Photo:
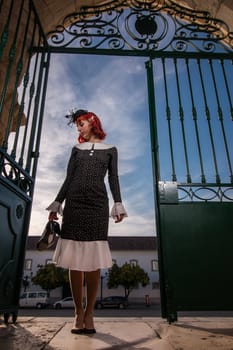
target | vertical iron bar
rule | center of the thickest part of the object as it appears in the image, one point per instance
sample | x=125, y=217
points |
x=181, y=115
x=41, y=114
x=207, y=112
x=153, y=126
x=168, y=115
x=156, y=175
x=220, y=117
x=227, y=88
x=194, y=115
x=31, y=96
x=5, y=32
x=35, y=113
x=17, y=80
x=41, y=40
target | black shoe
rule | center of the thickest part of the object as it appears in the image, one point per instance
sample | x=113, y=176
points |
x=77, y=330
x=89, y=330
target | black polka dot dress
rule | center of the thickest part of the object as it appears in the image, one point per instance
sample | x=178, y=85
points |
x=84, y=231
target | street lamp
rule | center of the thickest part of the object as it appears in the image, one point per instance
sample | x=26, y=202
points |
x=101, y=285
x=25, y=283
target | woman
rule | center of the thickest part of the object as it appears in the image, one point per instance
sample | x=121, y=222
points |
x=83, y=245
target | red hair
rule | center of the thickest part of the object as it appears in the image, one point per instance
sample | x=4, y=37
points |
x=96, y=126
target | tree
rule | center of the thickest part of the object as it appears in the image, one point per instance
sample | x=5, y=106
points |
x=50, y=277
x=129, y=276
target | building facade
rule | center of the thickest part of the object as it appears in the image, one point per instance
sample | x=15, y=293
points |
x=140, y=251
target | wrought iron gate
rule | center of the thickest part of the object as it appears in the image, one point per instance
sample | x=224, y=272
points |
x=190, y=99
x=191, y=131
x=23, y=87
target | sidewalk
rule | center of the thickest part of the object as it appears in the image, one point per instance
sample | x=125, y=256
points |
x=52, y=333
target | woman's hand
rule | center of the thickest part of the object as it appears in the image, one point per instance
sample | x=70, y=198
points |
x=119, y=218
x=53, y=216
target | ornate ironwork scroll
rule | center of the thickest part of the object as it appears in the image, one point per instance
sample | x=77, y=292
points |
x=205, y=193
x=151, y=25
x=12, y=172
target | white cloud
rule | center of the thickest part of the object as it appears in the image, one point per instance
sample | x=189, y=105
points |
x=116, y=91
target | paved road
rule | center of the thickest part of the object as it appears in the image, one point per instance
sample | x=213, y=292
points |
x=134, y=310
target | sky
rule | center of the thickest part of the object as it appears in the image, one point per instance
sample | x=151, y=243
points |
x=114, y=88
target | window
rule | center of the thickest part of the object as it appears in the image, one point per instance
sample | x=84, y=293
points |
x=28, y=264
x=48, y=261
x=154, y=265
x=133, y=262
x=154, y=285
x=32, y=295
x=23, y=296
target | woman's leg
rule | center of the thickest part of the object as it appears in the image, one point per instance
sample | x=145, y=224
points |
x=76, y=284
x=92, y=284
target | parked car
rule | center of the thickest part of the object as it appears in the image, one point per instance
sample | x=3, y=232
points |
x=34, y=299
x=112, y=301
x=67, y=302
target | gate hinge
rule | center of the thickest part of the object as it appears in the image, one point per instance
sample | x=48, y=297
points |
x=168, y=192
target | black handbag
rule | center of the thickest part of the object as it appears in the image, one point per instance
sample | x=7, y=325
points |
x=49, y=235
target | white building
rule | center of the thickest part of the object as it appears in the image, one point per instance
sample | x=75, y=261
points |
x=135, y=250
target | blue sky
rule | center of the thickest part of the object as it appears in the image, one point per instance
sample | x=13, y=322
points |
x=114, y=88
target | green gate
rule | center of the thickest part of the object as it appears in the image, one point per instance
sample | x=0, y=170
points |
x=190, y=99
x=189, y=72
x=191, y=117
x=21, y=114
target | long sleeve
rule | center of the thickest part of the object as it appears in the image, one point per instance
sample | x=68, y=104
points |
x=114, y=184
x=113, y=176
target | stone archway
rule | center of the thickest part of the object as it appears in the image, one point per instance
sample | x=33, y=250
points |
x=52, y=12
x=11, y=56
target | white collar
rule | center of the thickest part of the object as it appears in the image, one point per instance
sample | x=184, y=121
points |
x=97, y=145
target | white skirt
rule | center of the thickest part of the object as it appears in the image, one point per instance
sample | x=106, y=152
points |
x=82, y=255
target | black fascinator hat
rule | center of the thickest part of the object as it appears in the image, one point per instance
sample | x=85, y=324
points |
x=74, y=115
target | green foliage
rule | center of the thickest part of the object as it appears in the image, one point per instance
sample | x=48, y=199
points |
x=129, y=276
x=50, y=277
